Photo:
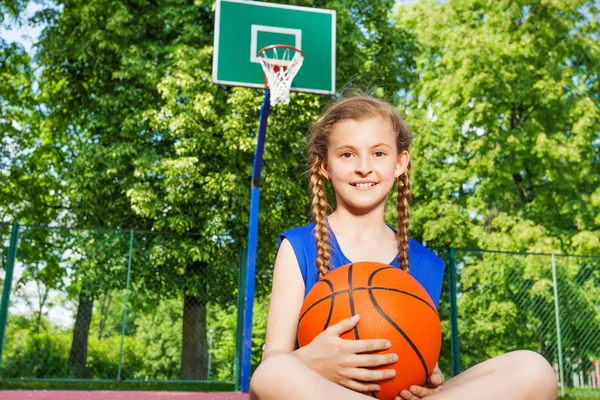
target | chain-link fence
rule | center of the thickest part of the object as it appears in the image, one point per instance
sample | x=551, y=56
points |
x=511, y=301
x=118, y=306
x=141, y=306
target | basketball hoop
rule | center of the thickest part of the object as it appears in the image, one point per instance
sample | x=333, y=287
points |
x=280, y=64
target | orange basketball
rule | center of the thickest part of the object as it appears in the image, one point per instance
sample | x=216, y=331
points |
x=392, y=305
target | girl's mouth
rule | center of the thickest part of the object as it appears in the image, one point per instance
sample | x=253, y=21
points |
x=364, y=185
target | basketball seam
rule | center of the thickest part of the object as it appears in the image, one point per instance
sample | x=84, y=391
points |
x=370, y=281
x=368, y=288
x=402, y=292
x=356, y=337
x=331, y=305
x=410, y=342
x=322, y=299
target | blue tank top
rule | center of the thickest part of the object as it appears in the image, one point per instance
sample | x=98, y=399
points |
x=425, y=267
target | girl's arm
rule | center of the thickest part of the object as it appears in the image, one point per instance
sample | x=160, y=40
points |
x=287, y=297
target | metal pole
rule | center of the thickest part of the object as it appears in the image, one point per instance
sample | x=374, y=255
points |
x=125, y=305
x=8, y=276
x=557, y=316
x=252, y=244
x=453, y=312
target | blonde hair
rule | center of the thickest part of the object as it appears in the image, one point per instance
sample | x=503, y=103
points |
x=355, y=108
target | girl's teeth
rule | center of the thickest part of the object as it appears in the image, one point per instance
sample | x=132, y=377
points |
x=364, y=185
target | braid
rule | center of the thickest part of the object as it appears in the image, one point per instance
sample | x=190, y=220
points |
x=403, y=199
x=319, y=206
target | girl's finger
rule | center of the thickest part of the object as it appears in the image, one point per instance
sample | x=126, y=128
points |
x=419, y=391
x=436, y=379
x=364, y=346
x=343, y=326
x=406, y=395
x=369, y=375
x=371, y=360
x=361, y=386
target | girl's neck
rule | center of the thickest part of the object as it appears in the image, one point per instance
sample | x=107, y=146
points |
x=358, y=227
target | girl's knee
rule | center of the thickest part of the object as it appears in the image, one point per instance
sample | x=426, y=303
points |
x=270, y=374
x=537, y=371
x=259, y=383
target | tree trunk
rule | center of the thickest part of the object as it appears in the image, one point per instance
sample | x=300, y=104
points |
x=105, y=306
x=194, y=353
x=42, y=302
x=78, y=354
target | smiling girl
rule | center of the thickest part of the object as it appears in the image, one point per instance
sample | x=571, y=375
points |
x=360, y=145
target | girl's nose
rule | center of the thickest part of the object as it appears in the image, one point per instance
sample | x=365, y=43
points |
x=363, y=166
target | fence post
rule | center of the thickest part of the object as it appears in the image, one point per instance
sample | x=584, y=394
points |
x=557, y=316
x=10, y=267
x=125, y=305
x=453, y=312
x=237, y=366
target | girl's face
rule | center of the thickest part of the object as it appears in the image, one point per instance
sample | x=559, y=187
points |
x=363, y=162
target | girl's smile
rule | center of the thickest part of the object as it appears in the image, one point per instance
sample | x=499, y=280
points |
x=366, y=185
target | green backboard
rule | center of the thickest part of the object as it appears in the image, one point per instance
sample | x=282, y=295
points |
x=242, y=28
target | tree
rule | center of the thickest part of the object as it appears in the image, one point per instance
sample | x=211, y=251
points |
x=11, y=9
x=506, y=115
x=147, y=141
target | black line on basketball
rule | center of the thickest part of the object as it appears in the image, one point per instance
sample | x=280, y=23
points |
x=351, y=299
x=402, y=292
x=375, y=273
x=330, y=305
x=320, y=301
x=370, y=284
x=378, y=288
x=410, y=342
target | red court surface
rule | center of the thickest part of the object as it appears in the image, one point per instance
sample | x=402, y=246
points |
x=114, y=395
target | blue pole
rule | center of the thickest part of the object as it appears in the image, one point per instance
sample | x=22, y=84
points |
x=252, y=244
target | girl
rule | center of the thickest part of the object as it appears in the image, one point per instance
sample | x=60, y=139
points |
x=360, y=145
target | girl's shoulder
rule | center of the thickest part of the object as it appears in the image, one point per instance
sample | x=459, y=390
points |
x=302, y=240
x=300, y=230
x=302, y=233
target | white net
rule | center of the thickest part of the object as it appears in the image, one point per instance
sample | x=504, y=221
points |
x=280, y=65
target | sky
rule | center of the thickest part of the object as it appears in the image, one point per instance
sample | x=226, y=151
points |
x=26, y=35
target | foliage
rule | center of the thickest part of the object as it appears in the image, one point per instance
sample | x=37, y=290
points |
x=120, y=127
x=506, y=110
x=44, y=354
x=151, y=350
x=160, y=335
x=11, y=9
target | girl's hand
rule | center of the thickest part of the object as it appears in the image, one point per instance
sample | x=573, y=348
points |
x=342, y=362
x=432, y=386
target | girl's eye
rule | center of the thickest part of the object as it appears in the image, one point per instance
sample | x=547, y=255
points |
x=346, y=155
x=379, y=154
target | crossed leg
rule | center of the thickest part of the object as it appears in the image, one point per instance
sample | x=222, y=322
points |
x=518, y=375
